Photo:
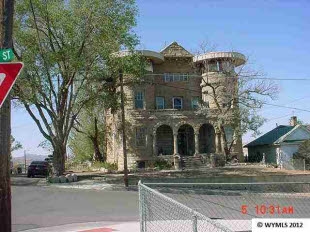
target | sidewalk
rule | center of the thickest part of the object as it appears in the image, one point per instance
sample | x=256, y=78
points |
x=89, y=184
x=93, y=227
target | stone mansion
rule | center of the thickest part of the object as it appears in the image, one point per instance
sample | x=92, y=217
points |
x=162, y=117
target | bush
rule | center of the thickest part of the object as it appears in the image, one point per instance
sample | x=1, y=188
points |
x=162, y=164
x=217, y=160
x=274, y=165
x=106, y=165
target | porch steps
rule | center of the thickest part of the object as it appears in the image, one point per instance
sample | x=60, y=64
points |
x=194, y=163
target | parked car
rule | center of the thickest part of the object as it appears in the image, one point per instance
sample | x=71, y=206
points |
x=41, y=168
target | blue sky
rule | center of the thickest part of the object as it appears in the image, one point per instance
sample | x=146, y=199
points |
x=274, y=34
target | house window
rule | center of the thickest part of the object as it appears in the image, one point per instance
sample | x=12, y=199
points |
x=213, y=66
x=139, y=99
x=177, y=102
x=195, y=102
x=140, y=136
x=175, y=77
x=226, y=66
x=160, y=102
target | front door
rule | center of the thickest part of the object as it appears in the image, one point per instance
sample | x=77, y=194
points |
x=186, y=140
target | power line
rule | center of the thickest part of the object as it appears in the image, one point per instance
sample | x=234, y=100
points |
x=275, y=105
x=276, y=118
x=238, y=76
x=200, y=76
x=281, y=106
x=296, y=100
x=187, y=89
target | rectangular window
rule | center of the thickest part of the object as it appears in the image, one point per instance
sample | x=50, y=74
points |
x=140, y=136
x=195, y=102
x=175, y=77
x=160, y=102
x=139, y=100
x=213, y=66
x=177, y=102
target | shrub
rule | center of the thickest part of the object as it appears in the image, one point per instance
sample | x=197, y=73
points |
x=106, y=165
x=217, y=160
x=162, y=164
x=274, y=165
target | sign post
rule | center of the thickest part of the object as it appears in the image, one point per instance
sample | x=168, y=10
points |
x=6, y=43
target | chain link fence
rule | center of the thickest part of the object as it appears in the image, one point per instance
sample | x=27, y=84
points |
x=219, y=206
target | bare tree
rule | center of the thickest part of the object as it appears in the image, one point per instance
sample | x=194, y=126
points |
x=234, y=94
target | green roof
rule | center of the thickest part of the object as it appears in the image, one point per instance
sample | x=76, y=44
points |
x=270, y=137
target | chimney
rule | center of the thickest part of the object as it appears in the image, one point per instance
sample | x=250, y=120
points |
x=293, y=121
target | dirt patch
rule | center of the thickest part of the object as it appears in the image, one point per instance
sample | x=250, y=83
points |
x=241, y=173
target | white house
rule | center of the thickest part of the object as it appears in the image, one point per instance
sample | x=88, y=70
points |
x=279, y=144
x=288, y=144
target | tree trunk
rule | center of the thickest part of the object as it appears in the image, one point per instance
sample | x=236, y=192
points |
x=98, y=157
x=224, y=142
x=59, y=155
x=97, y=154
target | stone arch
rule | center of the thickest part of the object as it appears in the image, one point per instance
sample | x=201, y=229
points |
x=186, y=143
x=179, y=124
x=164, y=139
x=206, y=138
x=157, y=125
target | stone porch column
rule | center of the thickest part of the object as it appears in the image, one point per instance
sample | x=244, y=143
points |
x=154, y=145
x=218, y=147
x=175, y=144
x=196, y=143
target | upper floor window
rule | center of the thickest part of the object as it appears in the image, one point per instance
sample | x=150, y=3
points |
x=213, y=66
x=139, y=100
x=220, y=66
x=140, y=136
x=195, y=102
x=177, y=102
x=160, y=102
x=175, y=77
x=226, y=66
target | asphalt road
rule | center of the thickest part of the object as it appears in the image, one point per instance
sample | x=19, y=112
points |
x=36, y=207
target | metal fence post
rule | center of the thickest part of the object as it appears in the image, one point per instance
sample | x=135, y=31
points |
x=141, y=203
x=194, y=222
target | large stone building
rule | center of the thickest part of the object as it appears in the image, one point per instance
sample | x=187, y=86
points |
x=162, y=115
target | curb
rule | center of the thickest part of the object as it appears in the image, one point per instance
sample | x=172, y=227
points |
x=104, y=226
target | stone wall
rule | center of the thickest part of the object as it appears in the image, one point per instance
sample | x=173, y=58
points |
x=177, y=60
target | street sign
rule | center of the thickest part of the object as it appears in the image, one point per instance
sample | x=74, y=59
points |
x=6, y=55
x=8, y=74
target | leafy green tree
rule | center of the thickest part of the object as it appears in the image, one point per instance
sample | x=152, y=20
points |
x=88, y=137
x=65, y=45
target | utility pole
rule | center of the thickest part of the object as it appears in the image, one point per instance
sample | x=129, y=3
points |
x=25, y=157
x=6, y=28
x=124, y=130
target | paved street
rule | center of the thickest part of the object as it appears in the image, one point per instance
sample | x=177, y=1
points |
x=37, y=207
